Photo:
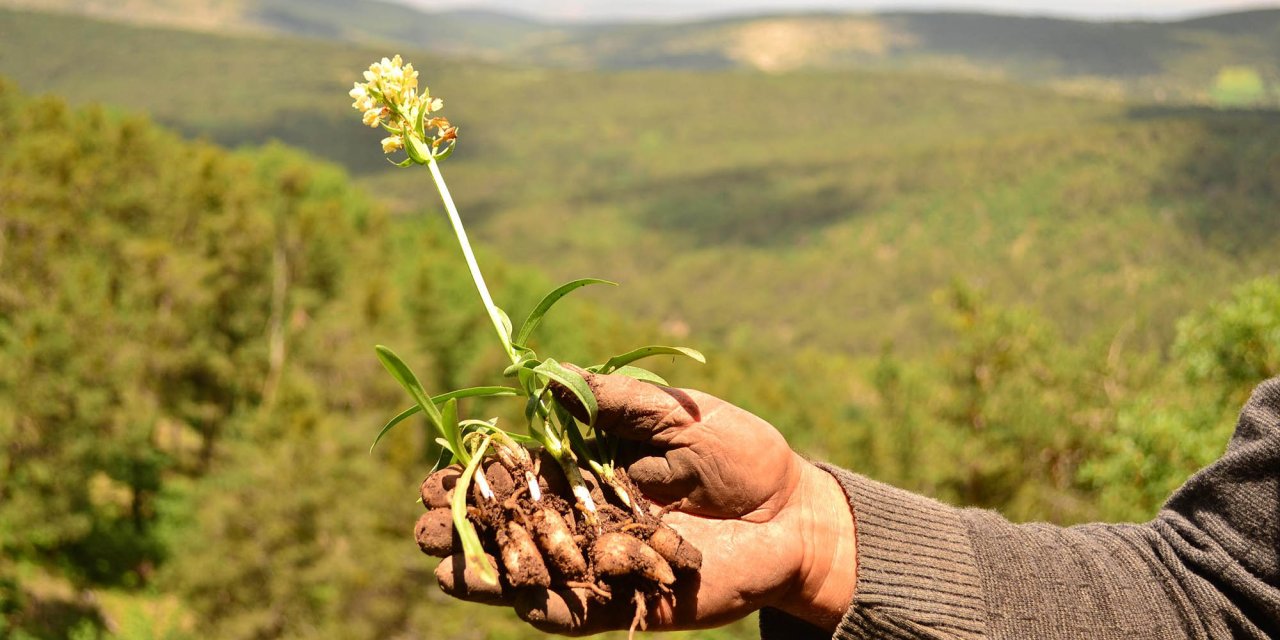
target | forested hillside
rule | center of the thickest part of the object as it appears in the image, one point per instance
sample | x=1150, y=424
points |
x=760, y=195
x=993, y=294
x=1224, y=59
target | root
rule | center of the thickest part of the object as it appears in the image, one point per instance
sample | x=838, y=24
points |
x=637, y=621
x=553, y=538
x=483, y=484
x=674, y=506
x=535, y=491
x=618, y=555
x=601, y=592
x=512, y=503
x=571, y=533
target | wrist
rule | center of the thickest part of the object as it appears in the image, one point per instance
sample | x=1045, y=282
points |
x=826, y=578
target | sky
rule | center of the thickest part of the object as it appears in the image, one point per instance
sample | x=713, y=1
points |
x=683, y=9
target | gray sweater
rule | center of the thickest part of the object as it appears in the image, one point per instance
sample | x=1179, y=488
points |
x=1208, y=566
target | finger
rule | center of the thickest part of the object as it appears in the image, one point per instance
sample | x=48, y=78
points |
x=665, y=478
x=435, y=535
x=437, y=488
x=631, y=408
x=573, y=611
x=471, y=587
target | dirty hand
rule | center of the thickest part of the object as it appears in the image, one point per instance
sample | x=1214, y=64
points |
x=773, y=530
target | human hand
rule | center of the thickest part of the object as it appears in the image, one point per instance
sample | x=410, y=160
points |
x=773, y=530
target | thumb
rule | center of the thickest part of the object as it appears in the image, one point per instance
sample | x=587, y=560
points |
x=630, y=408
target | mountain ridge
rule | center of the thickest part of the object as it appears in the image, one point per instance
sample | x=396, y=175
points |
x=1230, y=58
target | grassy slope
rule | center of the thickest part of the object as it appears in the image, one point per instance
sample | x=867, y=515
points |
x=819, y=209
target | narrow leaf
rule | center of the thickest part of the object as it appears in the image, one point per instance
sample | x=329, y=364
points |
x=515, y=368
x=491, y=422
x=643, y=375
x=522, y=439
x=442, y=461
x=576, y=440
x=404, y=375
x=474, y=392
x=400, y=417
x=471, y=392
x=574, y=382
x=506, y=320
x=535, y=316
x=452, y=432
x=471, y=547
x=646, y=352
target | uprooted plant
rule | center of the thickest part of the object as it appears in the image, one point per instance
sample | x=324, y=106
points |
x=584, y=518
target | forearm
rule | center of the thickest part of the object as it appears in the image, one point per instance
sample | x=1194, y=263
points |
x=1207, y=567
x=927, y=570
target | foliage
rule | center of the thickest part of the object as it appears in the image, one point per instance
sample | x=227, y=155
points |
x=186, y=387
x=1088, y=213
x=143, y=445
x=1183, y=420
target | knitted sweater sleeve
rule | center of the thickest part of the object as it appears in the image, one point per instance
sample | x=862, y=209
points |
x=1208, y=566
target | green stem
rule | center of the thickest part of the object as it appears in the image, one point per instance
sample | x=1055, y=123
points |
x=461, y=233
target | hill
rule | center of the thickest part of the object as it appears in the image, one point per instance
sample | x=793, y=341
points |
x=185, y=375
x=815, y=208
x=1178, y=62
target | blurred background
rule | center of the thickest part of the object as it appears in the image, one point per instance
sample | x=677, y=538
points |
x=1023, y=261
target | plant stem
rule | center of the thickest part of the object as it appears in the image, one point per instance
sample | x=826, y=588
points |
x=557, y=449
x=454, y=219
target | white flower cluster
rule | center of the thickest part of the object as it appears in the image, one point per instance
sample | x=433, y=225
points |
x=389, y=98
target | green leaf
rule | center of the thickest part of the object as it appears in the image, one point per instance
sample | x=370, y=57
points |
x=576, y=441
x=418, y=150
x=573, y=381
x=442, y=461
x=404, y=375
x=643, y=375
x=491, y=422
x=475, y=392
x=471, y=547
x=400, y=417
x=526, y=377
x=471, y=392
x=448, y=151
x=646, y=352
x=452, y=431
x=535, y=316
x=506, y=320
x=514, y=369
x=522, y=439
